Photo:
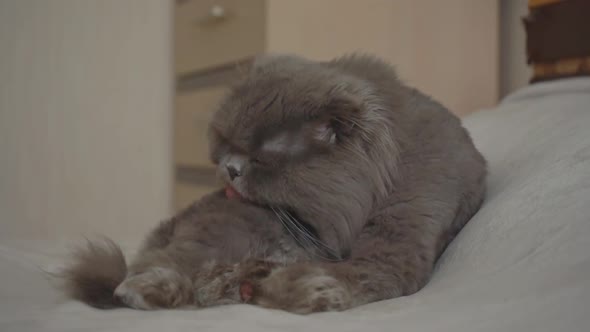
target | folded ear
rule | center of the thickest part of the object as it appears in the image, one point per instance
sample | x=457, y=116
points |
x=323, y=132
x=345, y=116
x=350, y=108
x=339, y=122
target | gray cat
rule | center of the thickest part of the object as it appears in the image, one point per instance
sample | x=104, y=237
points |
x=344, y=186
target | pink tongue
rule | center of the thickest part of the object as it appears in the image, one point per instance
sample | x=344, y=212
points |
x=231, y=193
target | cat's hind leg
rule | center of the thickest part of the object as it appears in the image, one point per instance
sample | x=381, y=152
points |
x=194, y=268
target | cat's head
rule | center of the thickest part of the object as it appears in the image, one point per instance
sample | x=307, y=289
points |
x=308, y=138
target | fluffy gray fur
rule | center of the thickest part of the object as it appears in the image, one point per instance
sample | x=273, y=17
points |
x=350, y=187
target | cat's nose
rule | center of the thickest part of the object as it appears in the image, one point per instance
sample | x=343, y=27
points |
x=233, y=172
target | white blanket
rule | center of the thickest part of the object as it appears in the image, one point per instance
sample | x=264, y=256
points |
x=521, y=264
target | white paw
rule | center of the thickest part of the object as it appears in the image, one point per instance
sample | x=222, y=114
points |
x=155, y=288
x=131, y=295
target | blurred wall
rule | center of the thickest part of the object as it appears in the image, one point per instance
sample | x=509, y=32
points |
x=448, y=49
x=85, y=117
x=514, y=72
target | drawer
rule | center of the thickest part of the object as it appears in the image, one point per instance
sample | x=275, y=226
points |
x=186, y=193
x=192, y=115
x=203, y=40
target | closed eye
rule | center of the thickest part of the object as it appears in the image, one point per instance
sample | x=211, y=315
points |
x=265, y=160
x=257, y=162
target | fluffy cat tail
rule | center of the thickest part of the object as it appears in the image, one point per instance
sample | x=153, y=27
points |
x=94, y=273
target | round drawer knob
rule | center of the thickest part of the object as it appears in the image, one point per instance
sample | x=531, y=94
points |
x=217, y=12
x=214, y=15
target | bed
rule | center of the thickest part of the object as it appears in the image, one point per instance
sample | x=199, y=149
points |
x=521, y=264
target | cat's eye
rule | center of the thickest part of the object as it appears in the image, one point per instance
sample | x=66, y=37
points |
x=256, y=161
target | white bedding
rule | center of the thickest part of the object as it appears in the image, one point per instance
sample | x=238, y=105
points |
x=521, y=264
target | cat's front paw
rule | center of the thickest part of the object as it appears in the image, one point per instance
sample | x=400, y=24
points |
x=154, y=289
x=300, y=289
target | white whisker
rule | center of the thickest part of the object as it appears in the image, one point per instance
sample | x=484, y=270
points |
x=306, y=240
